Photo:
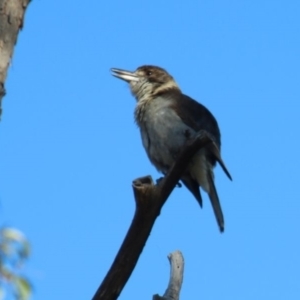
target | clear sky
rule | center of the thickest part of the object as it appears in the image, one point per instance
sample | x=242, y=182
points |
x=69, y=147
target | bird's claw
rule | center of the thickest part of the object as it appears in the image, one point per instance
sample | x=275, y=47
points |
x=159, y=180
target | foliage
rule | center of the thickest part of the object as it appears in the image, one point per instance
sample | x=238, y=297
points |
x=14, y=251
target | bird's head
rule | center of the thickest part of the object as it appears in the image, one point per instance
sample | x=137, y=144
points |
x=146, y=82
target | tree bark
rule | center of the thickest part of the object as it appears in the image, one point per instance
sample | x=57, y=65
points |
x=149, y=199
x=11, y=22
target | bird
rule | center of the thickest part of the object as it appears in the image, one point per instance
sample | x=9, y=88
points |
x=167, y=118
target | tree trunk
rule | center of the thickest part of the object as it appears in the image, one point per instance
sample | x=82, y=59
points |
x=11, y=21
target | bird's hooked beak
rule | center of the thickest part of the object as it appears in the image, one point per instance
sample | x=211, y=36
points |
x=124, y=75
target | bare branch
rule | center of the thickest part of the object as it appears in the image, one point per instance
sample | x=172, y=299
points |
x=11, y=21
x=176, y=277
x=149, y=200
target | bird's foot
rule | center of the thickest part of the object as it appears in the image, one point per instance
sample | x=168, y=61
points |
x=159, y=180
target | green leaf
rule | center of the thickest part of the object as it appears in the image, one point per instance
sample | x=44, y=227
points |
x=23, y=288
x=14, y=235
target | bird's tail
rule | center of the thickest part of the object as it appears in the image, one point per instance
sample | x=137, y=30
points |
x=201, y=171
x=215, y=202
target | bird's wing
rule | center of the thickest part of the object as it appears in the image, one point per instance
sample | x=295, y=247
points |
x=214, y=151
x=198, y=117
x=193, y=187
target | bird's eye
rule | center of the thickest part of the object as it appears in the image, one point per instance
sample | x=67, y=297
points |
x=149, y=73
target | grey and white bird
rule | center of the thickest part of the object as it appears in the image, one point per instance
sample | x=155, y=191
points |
x=167, y=119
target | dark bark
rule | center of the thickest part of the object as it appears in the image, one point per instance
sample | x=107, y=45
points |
x=149, y=199
x=11, y=21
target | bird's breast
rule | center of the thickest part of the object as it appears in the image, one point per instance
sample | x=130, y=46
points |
x=163, y=134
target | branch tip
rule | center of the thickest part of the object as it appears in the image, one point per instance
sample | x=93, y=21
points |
x=146, y=180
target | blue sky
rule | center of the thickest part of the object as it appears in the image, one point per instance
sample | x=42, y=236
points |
x=70, y=148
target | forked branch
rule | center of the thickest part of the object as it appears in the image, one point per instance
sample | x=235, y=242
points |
x=149, y=199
